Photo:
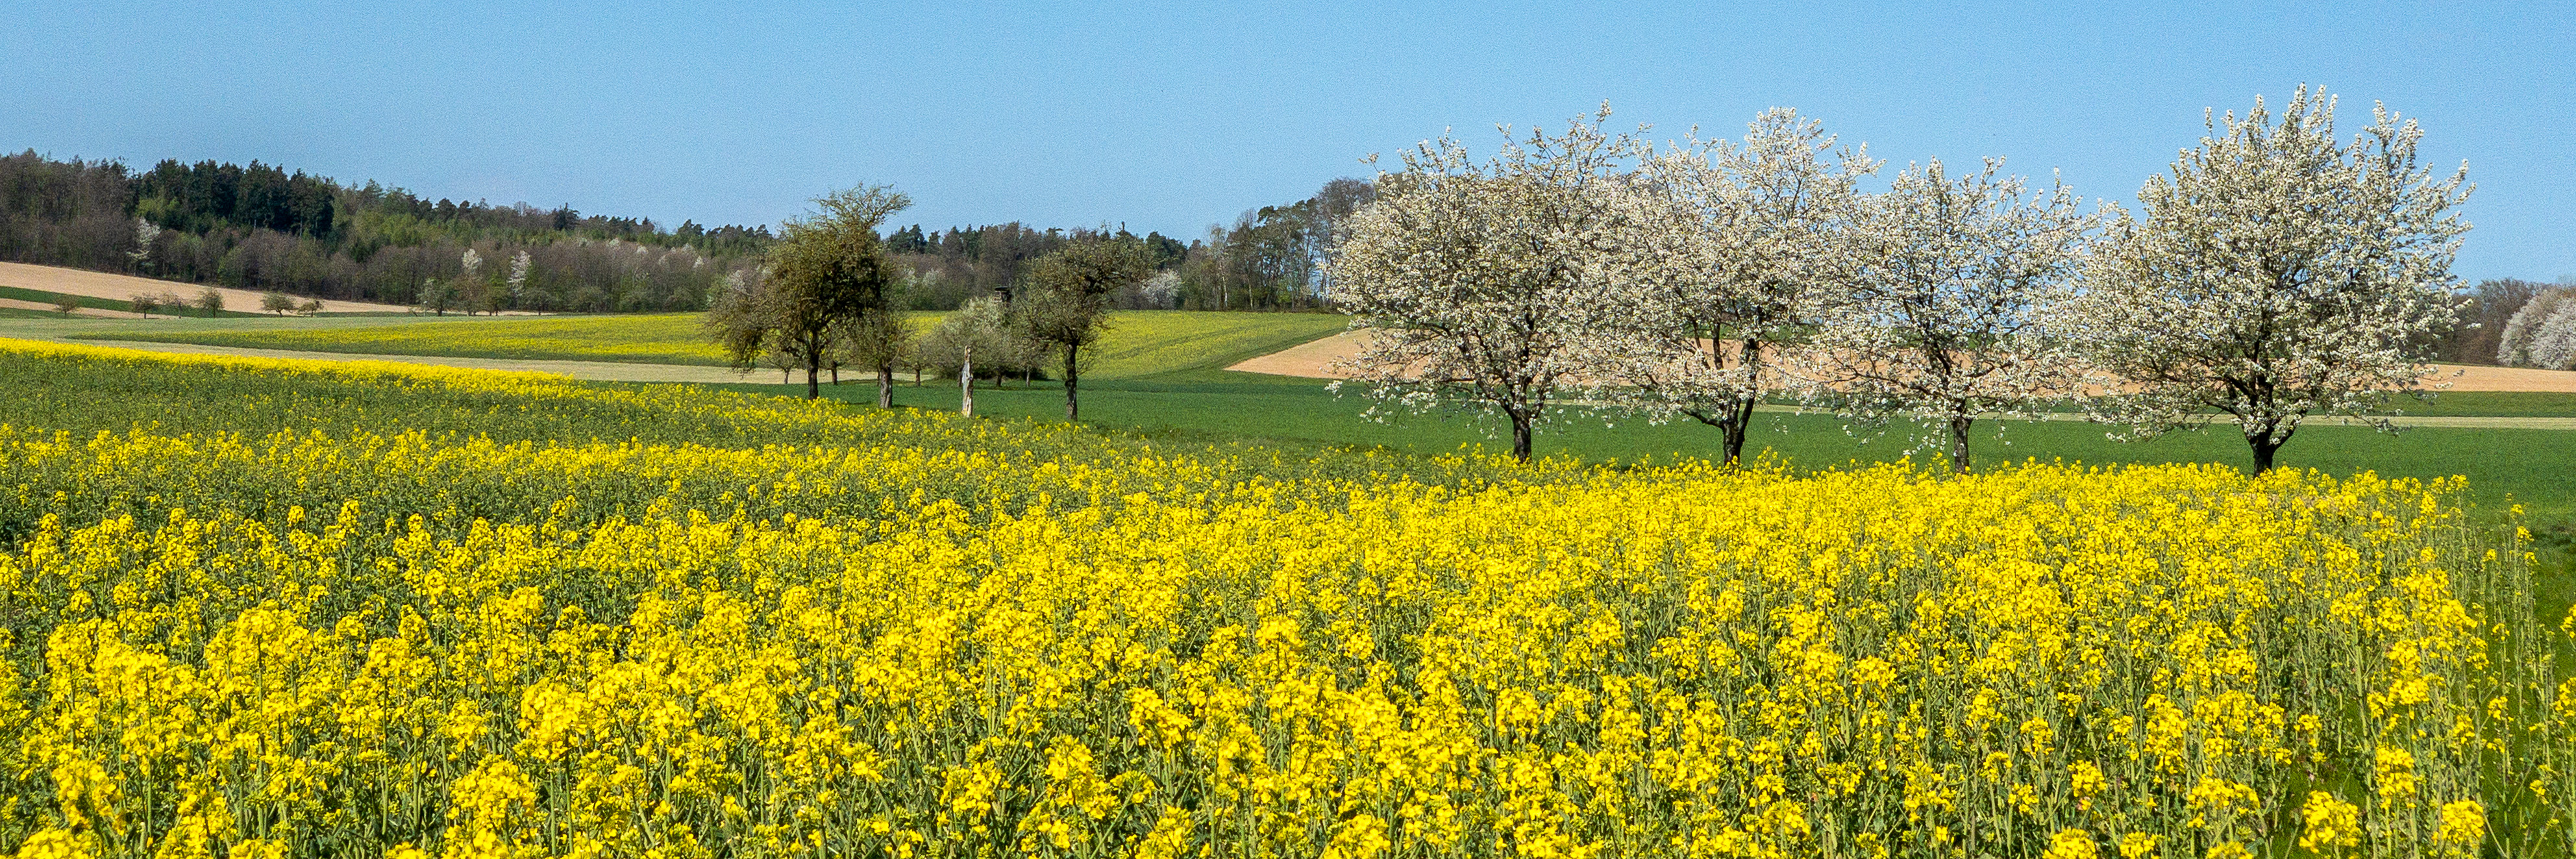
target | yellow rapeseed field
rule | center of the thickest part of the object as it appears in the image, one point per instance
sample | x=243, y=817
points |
x=871, y=634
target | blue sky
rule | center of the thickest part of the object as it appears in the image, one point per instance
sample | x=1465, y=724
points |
x=1171, y=117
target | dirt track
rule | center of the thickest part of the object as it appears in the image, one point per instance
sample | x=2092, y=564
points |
x=1313, y=360
x=94, y=284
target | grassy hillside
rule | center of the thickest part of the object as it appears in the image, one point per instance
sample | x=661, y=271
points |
x=1140, y=343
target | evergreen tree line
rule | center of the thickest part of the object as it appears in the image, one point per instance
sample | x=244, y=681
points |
x=261, y=227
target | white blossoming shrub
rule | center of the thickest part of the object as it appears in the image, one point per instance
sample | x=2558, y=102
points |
x=2542, y=334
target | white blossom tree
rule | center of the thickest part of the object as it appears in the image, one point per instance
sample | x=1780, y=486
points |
x=1755, y=230
x=1944, y=313
x=978, y=326
x=1487, y=284
x=518, y=280
x=2277, y=274
x=2542, y=333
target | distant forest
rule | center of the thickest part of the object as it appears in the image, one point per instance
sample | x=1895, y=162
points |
x=261, y=227
x=1270, y=258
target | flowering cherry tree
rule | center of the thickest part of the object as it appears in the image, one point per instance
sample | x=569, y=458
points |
x=1755, y=231
x=1487, y=285
x=1942, y=318
x=2276, y=274
x=2541, y=334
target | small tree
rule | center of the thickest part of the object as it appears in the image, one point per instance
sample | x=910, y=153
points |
x=1942, y=319
x=978, y=328
x=66, y=305
x=309, y=306
x=2277, y=274
x=1488, y=285
x=211, y=301
x=877, y=340
x=1064, y=305
x=146, y=234
x=436, y=297
x=144, y=302
x=827, y=270
x=1758, y=230
x=276, y=302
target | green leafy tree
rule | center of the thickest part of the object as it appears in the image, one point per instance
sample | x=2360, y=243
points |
x=210, y=301
x=1064, y=305
x=828, y=271
x=877, y=340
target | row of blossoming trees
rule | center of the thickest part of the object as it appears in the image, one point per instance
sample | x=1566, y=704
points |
x=2278, y=273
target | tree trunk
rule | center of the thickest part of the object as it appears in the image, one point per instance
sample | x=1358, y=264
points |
x=885, y=387
x=2266, y=441
x=1520, y=437
x=1739, y=419
x=1959, y=442
x=1072, y=376
x=813, y=380
x=966, y=385
x=2264, y=447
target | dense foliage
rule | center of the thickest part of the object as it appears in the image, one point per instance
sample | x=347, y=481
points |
x=260, y=227
x=376, y=610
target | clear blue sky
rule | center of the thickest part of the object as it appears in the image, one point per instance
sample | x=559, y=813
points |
x=1172, y=117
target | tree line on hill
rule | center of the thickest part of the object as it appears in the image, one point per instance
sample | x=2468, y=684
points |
x=1270, y=258
x=263, y=227
x=260, y=227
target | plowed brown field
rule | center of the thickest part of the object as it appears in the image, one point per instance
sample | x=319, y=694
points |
x=1314, y=360
x=99, y=284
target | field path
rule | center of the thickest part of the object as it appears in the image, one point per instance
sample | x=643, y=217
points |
x=99, y=284
x=1314, y=360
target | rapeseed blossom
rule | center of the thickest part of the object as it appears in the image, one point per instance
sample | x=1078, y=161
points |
x=914, y=642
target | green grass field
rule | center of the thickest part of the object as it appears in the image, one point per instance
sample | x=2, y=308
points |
x=1142, y=343
x=2536, y=468
x=24, y=294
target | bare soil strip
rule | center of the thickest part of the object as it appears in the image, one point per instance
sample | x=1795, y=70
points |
x=1309, y=360
x=97, y=284
x=1314, y=360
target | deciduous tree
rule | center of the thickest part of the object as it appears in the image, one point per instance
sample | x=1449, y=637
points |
x=1064, y=305
x=1756, y=230
x=1943, y=316
x=2542, y=333
x=2278, y=273
x=827, y=270
x=978, y=328
x=1488, y=285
